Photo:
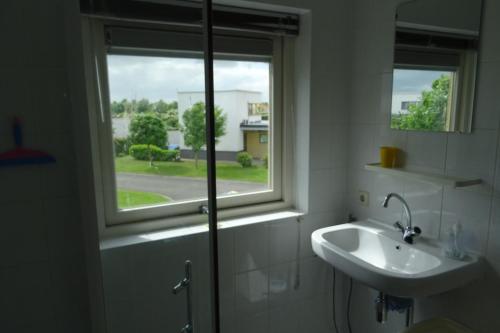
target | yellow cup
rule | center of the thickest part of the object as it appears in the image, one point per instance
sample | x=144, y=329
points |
x=389, y=157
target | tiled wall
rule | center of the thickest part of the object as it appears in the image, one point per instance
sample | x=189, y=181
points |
x=42, y=272
x=270, y=282
x=434, y=208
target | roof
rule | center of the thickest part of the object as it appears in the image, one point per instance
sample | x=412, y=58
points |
x=254, y=126
x=219, y=91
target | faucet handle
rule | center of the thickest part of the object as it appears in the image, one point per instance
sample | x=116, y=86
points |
x=417, y=231
x=399, y=226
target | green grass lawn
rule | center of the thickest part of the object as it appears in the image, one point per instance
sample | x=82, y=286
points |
x=186, y=168
x=130, y=199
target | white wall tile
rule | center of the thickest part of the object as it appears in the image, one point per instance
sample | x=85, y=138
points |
x=252, y=290
x=321, y=192
x=26, y=296
x=69, y=291
x=426, y=150
x=383, y=185
x=487, y=110
x=425, y=201
x=63, y=228
x=490, y=46
x=493, y=251
x=252, y=323
x=472, y=155
x=284, y=319
x=226, y=265
x=283, y=241
x=251, y=244
x=281, y=284
x=361, y=146
x=472, y=211
x=24, y=234
x=311, y=280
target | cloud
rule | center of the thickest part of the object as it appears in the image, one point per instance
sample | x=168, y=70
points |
x=411, y=82
x=154, y=78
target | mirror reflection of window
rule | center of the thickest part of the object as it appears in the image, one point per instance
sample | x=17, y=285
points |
x=435, y=65
x=423, y=99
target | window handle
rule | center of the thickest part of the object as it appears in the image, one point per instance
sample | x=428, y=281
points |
x=203, y=209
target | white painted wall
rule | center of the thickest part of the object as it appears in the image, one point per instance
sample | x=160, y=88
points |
x=234, y=104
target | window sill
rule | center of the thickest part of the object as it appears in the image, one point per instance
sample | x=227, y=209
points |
x=138, y=238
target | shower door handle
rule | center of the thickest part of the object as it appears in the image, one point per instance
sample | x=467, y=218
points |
x=185, y=283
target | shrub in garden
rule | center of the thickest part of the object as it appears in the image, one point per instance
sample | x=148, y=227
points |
x=142, y=153
x=244, y=159
x=121, y=146
x=266, y=161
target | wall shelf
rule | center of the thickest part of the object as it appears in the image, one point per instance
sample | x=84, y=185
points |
x=423, y=176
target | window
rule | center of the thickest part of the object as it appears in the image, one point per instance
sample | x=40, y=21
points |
x=263, y=138
x=423, y=99
x=406, y=104
x=152, y=124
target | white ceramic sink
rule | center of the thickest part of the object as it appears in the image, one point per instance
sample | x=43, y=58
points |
x=373, y=253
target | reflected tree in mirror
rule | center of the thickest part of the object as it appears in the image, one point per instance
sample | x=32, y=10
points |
x=430, y=112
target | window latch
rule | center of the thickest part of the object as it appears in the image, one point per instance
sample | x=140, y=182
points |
x=203, y=209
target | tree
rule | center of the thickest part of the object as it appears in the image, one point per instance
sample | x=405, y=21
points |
x=194, y=129
x=148, y=129
x=143, y=106
x=117, y=108
x=168, y=112
x=430, y=113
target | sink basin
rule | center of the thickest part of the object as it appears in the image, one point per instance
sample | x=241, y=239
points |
x=373, y=253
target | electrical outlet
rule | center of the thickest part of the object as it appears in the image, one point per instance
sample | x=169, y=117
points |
x=364, y=198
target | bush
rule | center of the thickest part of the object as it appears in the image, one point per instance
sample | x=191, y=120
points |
x=266, y=161
x=121, y=146
x=141, y=152
x=244, y=159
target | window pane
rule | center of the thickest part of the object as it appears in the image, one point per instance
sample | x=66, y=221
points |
x=158, y=119
x=242, y=91
x=150, y=167
x=422, y=99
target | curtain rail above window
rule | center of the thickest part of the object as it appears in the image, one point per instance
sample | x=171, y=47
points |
x=189, y=13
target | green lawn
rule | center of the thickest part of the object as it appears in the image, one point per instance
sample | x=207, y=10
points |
x=186, y=168
x=130, y=199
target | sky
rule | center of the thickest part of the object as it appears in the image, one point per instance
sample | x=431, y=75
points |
x=155, y=78
x=410, y=82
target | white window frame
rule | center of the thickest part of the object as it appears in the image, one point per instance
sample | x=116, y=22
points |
x=174, y=214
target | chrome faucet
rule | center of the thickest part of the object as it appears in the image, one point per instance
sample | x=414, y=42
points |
x=409, y=232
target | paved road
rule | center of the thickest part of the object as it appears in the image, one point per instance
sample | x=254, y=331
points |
x=182, y=188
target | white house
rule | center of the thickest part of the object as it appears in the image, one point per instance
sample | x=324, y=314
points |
x=237, y=105
x=401, y=102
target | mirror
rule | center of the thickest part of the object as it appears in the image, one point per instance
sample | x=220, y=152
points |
x=435, y=65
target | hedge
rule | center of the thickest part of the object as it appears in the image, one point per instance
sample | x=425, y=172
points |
x=141, y=152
